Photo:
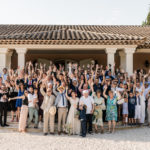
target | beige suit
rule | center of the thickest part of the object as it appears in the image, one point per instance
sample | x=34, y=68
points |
x=49, y=119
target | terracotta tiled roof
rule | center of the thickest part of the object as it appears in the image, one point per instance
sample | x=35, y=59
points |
x=75, y=34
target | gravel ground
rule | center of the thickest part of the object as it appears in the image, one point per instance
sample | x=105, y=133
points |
x=129, y=139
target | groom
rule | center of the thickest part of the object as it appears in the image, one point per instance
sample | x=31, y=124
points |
x=61, y=103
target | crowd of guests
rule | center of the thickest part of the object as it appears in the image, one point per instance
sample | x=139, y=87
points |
x=79, y=99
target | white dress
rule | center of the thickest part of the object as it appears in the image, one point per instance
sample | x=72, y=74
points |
x=142, y=108
x=72, y=121
x=138, y=108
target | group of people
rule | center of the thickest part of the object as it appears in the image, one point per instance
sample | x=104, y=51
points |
x=79, y=99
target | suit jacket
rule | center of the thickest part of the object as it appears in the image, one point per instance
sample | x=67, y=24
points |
x=48, y=101
x=58, y=97
x=82, y=114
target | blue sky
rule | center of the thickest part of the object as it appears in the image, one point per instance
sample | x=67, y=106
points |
x=102, y=12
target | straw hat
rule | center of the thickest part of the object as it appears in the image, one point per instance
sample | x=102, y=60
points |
x=60, y=88
x=52, y=110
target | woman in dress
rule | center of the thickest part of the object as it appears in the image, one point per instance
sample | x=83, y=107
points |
x=20, y=89
x=40, y=98
x=125, y=110
x=24, y=111
x=142, y=97
x=12, y=93
x=73, y=122
x=111, y=111
x=98, y=110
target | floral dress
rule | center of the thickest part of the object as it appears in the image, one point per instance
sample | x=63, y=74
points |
x=111, y=111
x=98, y=113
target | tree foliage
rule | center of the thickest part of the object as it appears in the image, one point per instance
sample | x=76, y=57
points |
x=147, y=21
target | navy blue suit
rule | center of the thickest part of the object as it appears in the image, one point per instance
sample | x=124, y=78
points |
x=82, y=118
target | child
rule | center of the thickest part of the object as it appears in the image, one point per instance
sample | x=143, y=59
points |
x=125, y=109
x=82, y=118
x=36, y=99
x=137, y=116
x=131, y=107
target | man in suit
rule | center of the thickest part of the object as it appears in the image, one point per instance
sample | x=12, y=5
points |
x=61, y=103
x=82, y=116
x=48, y=102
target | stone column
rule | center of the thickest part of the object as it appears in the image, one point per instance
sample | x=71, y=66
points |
x=8, y=62
x=3, y=58
x=122, y=60
x=110, y=57
x=129, y=60
x=21, y=56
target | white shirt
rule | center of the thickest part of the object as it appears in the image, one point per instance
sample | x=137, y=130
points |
x=89, y=101
x=31, y=98
x=60, y=103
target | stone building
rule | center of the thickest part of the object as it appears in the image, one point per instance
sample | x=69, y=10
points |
x=127, y=46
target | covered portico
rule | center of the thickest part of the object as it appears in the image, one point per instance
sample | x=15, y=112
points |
x=125, y=53
x=78, y=42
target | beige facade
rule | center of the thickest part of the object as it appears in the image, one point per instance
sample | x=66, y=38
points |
x=81, y=56
x=128, y=47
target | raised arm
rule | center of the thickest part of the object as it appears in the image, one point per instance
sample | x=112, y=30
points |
x=81, y=86
x=42, y=90
x=134, y=89
x=67, y=94
x=103, y=72
x=55, y=87
x=145, y=76
x=104, y=93
x=85, y=76
x=96, y=70
x=18, y=97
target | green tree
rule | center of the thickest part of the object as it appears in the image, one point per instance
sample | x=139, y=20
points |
x=147, y=21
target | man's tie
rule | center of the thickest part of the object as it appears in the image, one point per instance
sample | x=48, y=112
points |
x=63, y=99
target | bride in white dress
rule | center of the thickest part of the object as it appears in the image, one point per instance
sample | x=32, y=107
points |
x=73, y=122
x=142, y=106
